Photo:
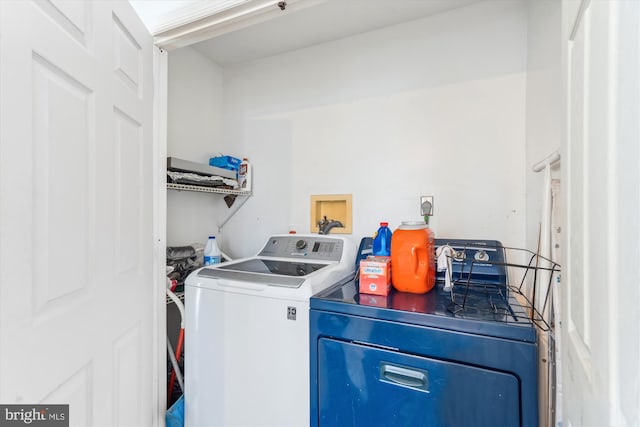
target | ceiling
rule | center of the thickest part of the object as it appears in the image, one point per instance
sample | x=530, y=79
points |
x=303, y=23
x=155, y=12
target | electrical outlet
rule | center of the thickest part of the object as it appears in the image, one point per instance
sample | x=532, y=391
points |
x=426, y=205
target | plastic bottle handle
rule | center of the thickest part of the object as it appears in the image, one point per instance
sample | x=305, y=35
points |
x=418, y=267
x=422, y=266
x=414, y=260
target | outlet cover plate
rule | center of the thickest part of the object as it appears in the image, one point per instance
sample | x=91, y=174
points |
x=426, y=205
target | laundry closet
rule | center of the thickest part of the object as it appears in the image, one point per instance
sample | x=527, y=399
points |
x=456, y=104
x=383, y=101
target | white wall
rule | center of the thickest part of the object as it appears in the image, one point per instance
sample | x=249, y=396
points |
x=431, y=107
x=193, y=133
x=545, y=108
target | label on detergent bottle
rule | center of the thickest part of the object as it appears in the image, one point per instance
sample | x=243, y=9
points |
x=210, y=260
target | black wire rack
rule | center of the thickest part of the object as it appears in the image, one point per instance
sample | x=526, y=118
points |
x=510, y=295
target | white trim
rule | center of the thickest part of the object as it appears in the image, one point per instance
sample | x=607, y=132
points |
x=210, y=21
x=160, y=67
x=583, y=6
x=547, y=161
x=614, y=101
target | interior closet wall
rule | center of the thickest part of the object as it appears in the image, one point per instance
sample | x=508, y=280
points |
x=195, y=86
x=435, y=106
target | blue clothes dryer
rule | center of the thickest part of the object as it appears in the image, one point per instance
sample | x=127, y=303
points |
x=461, y=358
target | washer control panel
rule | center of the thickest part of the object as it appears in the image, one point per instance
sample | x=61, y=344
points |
x=296, y=246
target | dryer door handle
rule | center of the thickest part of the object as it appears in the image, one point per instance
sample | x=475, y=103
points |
x=405, y=376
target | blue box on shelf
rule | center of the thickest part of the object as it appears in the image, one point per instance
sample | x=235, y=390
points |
x=225, y=162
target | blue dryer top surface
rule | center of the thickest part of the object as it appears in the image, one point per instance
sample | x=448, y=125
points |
x=433, y=309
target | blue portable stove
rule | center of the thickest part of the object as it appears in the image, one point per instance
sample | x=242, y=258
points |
x=462, y=358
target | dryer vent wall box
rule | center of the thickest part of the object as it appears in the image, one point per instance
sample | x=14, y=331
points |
x=331, y=207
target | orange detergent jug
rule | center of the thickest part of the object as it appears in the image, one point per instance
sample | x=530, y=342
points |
x=413, y=263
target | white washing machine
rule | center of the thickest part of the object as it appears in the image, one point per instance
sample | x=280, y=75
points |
x=247, y=331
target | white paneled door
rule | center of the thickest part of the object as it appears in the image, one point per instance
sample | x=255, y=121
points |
x=601, y=361
x=76, y=220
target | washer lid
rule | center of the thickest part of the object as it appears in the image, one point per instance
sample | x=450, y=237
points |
x=268, y=266
x=264, y=271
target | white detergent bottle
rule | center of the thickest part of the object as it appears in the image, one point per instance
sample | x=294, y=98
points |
x=212, y=254
x=244, y=175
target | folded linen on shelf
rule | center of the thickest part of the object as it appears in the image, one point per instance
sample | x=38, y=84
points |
x=203, y=180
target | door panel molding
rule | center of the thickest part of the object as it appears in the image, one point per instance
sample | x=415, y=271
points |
x=74, y=329
x=603, y=179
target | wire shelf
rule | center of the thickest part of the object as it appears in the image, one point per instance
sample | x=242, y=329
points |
x=523, y=294
x=203, y=189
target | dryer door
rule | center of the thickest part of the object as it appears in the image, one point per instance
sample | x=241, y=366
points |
x=363, y=386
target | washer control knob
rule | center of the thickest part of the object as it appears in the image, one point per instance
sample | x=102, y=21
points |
x=301, y=244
